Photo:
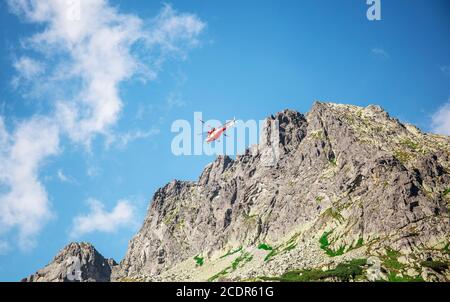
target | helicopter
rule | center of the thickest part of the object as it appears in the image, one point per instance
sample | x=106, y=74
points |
x=216, y=132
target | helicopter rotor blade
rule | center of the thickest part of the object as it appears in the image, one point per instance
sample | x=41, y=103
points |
x=203, y=122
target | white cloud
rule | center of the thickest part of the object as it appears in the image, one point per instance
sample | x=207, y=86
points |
x=24, y=203
x=380, y=53
x=143, y=110
x=65, y=178
x=174, y=100
x=83, y=59
x=93, y=171
x=100, y=220
x=27, y=69
x=445, y=69
x=440, y=121
x=121, y=140
x=98, y=52
x=4, y=135
x=61, y=176
x=170, y=29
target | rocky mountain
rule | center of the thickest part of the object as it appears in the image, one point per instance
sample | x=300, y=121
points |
x=77, y=262
x=341, y=193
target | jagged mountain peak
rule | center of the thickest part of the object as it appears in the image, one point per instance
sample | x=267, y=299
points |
x=341, y=182
x=76, y=262
x=75, y=249
x=285, y=129
x=320, y=172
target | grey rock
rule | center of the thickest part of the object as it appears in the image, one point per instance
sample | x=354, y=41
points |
x=77, y=262
x=364, y=180
x=346, y=169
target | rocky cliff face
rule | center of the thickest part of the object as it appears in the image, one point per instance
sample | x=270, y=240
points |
x=343, y=192
x=77, y=262
x=338, y=183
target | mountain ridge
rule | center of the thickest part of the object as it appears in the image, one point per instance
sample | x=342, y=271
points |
x=78, y=261
x=319, y=191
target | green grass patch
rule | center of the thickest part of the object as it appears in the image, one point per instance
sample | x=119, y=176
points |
x=347, y=271
x=218, y=275
x=199, y=260
x=410, y=144
x=282, y=248
x=402, y=156
x=358, y=244
x=244, y=258
x=446, y=248
x=343, y=272
x=324, y=245
x=446, y=192
x=333, y=214
x=390, y=261
x=324, y=240
x=266, y=247
x=290, y=247
x=232, y=252
x=270, y=255
x=319, y=198
x=239, y=261
x=393, y=277
x=340, y=251
x=333, y=162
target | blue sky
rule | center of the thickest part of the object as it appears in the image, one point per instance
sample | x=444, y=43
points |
x=86, y=106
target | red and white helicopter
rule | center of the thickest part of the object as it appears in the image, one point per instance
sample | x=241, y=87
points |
x=216, y=132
